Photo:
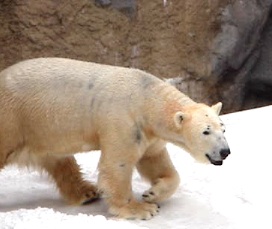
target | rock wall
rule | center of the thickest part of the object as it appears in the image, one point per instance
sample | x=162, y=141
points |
x=259, y=88
x=164, y=37
x=208, y=45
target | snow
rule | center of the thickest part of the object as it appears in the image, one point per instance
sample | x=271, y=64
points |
x=235, y=195
x=44, y=218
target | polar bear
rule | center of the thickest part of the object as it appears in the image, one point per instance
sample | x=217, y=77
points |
x=52, y=108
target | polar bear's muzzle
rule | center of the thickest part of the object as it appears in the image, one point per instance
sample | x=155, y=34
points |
x=214, y=162
x=223, y=155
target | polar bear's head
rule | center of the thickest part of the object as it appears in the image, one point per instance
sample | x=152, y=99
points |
x=202, y=133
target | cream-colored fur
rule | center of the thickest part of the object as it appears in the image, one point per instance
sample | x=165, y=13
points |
x=52, y=108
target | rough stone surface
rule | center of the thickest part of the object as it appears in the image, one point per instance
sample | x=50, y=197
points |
x=262, y=73
x=242, y=24
x=206, y=43
x=259, y=90
x=234, y=53
x=231, y=90
x=165, y=38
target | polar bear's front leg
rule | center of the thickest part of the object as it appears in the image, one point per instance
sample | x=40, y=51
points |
x=115, y=174
x=158, y=169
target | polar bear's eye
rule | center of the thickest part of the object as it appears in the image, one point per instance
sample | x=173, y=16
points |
x=206, y=132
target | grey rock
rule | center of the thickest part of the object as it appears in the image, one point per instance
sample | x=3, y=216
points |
x=261, y=75
x=242, y=24
x=259, y=89
x=128, y=7
x=103, y=2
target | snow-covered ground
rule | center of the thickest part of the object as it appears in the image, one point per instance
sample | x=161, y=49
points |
x=235, y=195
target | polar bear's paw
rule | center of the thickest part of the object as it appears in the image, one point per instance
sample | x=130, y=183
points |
x=89, y=193
x=159, y=192
x=136, y=210
x=83, y=193
x=151, y=196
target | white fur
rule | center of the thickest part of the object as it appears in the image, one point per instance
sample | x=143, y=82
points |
x=52, y=108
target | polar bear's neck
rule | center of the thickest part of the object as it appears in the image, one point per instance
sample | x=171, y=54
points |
x=169, y=94
x=161, y=105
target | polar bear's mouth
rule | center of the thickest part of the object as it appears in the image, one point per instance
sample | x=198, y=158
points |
x=214, y=162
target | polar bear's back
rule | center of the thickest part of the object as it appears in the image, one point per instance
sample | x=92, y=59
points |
x=54, y=72
x=60, y=77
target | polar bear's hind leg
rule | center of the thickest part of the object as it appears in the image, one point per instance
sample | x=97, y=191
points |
x=66, y=173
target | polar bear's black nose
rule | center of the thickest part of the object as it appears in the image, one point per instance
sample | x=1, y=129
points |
x=224, y=153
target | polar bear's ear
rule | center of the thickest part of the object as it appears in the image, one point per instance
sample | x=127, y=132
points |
x=217, y=107
x=179, y=118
